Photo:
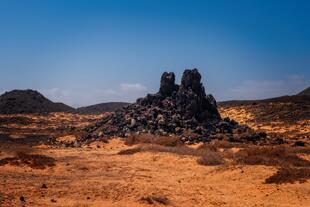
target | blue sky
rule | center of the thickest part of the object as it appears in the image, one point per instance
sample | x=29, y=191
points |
x=86, y=52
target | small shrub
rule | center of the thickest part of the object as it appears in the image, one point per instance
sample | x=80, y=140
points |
x=209, y=147
x=153, y=199
x=136, y=139
x=206, y=156
x=289, y=175
x=225, y=144
x=300, y=150
x=210, y=158
x=130, y=151
x=147, y=138
x=32, y=160
x=169, y=141
x=270, y=156
x=228, y=154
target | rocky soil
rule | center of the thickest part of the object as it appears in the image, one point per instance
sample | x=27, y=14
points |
x=98, y=175
x=285, y=117
x=144, y=171
x=35, y=129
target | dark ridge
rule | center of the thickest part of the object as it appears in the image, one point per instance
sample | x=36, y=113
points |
x=282, y=99
x=305, y=92
x=101, y=108
x=29, y=101
x=303, y=96
x=286, y=109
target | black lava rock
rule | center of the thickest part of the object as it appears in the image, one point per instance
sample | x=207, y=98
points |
x=183, y=110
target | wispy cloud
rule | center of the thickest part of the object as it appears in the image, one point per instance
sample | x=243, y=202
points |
x=110, y=92
x=124, y=92
x=132, y=87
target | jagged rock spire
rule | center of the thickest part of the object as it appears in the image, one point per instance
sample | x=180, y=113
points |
x=191, y=79
x=167, y=84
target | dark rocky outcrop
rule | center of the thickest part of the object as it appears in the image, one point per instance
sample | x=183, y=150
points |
x=29, y=101
x=167, y=84
x=305, y=92
x=184, y=110
x=102, y=108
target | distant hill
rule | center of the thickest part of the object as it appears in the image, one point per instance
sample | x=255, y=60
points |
x=29, y=101
x=303, y=96
x=282, y=99
x=101, y=108
x=305, y=92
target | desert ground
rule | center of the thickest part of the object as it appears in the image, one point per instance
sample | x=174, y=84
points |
x=40, y=165
x=287, y=117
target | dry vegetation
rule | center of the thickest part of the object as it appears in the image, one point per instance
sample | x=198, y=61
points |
x=270, y=156
x=32, y=160
x=153, y=139
x=154, y=199
x=289, y=175
x=206, y=156
x=287, y=158
x=288, y=119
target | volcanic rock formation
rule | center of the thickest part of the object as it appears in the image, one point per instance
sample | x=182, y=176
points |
x=183, y=110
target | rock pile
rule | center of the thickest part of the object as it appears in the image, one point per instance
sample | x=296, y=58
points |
x=184, y=110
